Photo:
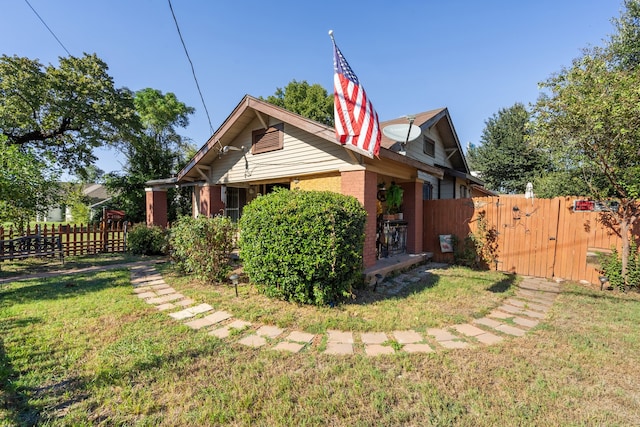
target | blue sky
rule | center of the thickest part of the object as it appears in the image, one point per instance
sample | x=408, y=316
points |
x=473, y=57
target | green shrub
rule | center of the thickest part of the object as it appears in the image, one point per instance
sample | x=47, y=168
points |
x=143, y=240
x=611, y=267
x=303, y=246
x=202, y=246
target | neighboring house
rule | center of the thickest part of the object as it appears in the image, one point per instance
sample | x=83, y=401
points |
x=95, y=194
x=261, y=146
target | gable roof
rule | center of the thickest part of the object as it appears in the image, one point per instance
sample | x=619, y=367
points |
x=245, y=112
x=250, y=108
x=441, y=119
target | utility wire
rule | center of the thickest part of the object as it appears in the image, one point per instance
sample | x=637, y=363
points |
x=50, y=30
x=193, y=71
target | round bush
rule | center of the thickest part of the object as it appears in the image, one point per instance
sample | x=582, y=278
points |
x=143, y=240
x=303, y=246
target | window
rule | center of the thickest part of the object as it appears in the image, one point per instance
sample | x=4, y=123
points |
x=428, y=146
x=265, y=140
x=427, y=191
x=463, y=192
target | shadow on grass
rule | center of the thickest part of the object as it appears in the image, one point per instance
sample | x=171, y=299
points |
x=503, y=285
x=66, y=286
x=16, y=401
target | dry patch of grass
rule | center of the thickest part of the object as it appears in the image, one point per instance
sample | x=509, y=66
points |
x=443, y=297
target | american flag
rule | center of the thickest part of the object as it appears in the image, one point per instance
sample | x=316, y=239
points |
x=356, y=121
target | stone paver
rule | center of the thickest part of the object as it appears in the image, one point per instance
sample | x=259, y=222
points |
x=488, y=338
x=165, y=298
x=453, y=344
x=377, y=349
x=418, y=348
x=500, y=314
x=269, y=331
x=339, y=348
x=145, y=295
x=468, y=330
x=300, y=337
x=532, y=300
x=511, y=330
x=217, y=317
x=340, y=337
x=407, y=337
x=289, y=346
x=199, y=323
x=441, y=334
x=525, y=322
x=373, y=337
x=165, y=306
x=487, y=322
x=253, y=341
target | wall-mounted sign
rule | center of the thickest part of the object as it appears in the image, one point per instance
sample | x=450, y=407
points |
x=594, y=206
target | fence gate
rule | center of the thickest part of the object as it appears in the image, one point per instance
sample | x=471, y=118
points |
x=527, y=235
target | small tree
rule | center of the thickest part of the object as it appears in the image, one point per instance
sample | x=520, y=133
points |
x=591, y=111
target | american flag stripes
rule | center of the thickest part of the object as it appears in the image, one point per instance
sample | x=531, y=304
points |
x=356, y=121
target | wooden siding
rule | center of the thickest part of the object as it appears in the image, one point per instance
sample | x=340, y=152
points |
x=539, y=237
x=415, y=150
x=302, y=154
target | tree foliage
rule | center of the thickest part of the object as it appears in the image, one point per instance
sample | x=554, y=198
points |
x=64, y=111
x=310, y=101
x=506, y=160
x=156, y=152
x=28, y=185
x=591, y=111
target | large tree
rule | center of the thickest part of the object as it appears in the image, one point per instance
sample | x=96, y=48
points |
x=505, y=159
x=64, y=111
x=591, y=110
x=157, y=152
x=310, y=101
x=28, y=185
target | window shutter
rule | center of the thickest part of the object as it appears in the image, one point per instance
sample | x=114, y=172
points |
x=265, y=140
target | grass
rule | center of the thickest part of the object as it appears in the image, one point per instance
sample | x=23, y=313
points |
x=23, y=267
x=82, y=350
x=443, y=297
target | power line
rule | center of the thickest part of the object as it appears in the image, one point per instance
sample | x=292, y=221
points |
x=50, y=30
x=193, y=71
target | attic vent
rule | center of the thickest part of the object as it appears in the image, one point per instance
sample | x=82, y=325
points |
x=265, y=140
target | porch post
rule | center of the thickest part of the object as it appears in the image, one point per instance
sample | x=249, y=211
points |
x=362, y=184
x=413, y=214
x=211, y=202
x=156, y=202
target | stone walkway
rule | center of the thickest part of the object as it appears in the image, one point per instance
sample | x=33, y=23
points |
x=513, y=318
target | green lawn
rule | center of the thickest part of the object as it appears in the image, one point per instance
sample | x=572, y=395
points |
x=83, y=350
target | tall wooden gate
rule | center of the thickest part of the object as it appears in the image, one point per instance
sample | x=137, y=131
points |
x=535, y=237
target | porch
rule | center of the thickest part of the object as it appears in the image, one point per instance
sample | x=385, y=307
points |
x=396, y=263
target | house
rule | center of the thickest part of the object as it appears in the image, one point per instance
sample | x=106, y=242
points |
x=261, y=146
x=94, y=195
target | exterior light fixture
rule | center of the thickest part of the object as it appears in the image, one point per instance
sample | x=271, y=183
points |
x=234, y=279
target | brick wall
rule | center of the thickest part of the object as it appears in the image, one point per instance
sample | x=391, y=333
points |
x=363, y=186
x=156, y=201
x=413, y=214
x=210, y=200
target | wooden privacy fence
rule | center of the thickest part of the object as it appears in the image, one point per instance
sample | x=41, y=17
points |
x=78, y=239
x=535, y=237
